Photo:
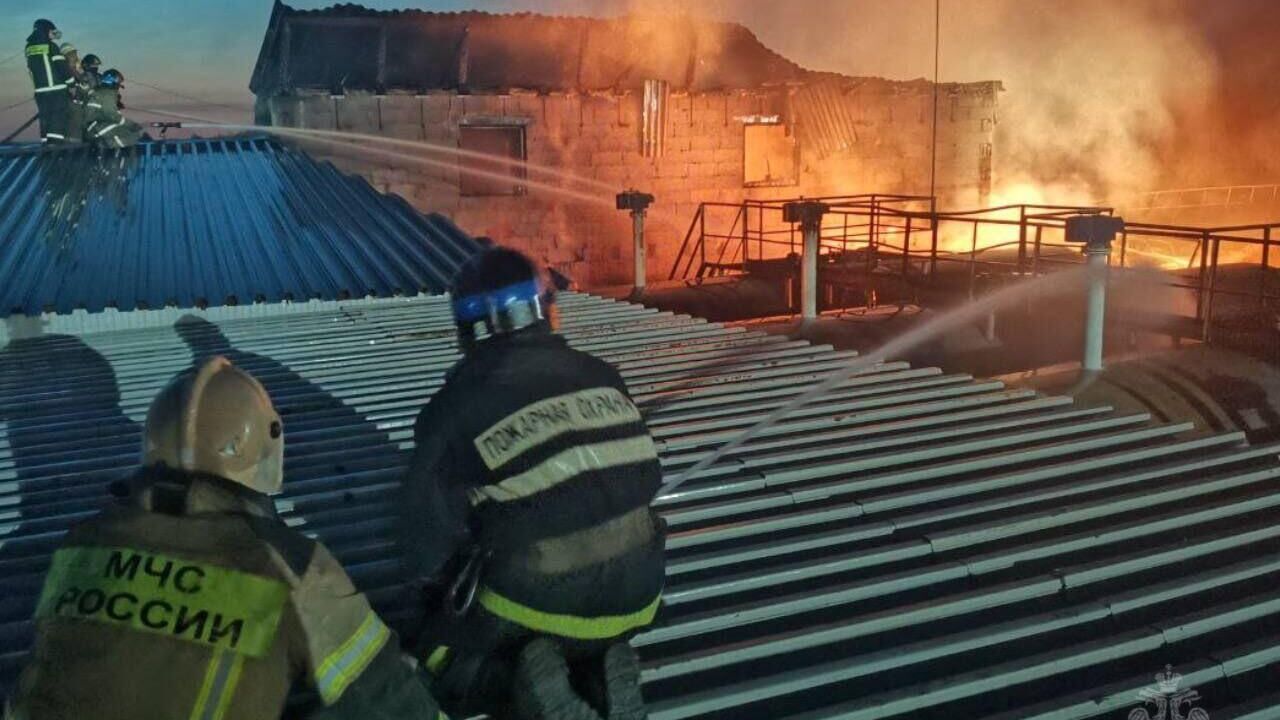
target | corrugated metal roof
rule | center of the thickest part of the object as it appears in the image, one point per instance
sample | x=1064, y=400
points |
x=197, y=222
x=916, y=544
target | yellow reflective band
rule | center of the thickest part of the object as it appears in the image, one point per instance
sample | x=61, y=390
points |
x=37, y=50
x=342, y=666
x=567, y=465
x=148, y=592
x=535, y=424
x=437, y=658
x=570, y=626
x=219, y=686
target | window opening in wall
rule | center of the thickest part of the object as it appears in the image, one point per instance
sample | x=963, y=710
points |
x=505, y=143
x=771, y=156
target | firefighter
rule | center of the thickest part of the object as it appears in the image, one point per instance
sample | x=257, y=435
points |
x=190, y=597
x=525, y=522
x=83, y=99
x=90, y=76
x=82, y=86
x=104, y=125
x=51, y=74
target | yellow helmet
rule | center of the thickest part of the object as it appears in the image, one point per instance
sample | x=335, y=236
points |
x=217, y=419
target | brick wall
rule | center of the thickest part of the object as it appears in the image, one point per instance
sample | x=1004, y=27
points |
x=598, y=137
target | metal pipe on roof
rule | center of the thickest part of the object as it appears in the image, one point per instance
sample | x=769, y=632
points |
x=809, y=215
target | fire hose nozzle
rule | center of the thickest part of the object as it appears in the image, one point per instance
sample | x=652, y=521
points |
x=165, y=126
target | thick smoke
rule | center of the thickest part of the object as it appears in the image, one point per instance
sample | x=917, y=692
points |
x=1104, y=99
x=1094, y=89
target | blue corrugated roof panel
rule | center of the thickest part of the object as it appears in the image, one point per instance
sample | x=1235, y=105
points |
x=915, y=544
x=205, y=223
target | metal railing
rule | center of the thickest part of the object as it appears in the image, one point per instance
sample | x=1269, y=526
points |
x=1219, y=196
x=906, y=236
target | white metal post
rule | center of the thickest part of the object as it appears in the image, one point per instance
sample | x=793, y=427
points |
x=1096, y=309
x=1096, y=232
x=809, y=272
x=637, y=232
x=636, y=203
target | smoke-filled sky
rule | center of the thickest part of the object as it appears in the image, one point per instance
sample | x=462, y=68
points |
x=1103, y=96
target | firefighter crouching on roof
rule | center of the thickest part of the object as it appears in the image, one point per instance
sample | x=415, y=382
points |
x=51, y=74
x=104, y=125
x=525, y=513
x=190, y=598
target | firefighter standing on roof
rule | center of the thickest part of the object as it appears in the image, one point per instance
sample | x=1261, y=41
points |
x=51, y=74
x=527, y=508
x=192, y=599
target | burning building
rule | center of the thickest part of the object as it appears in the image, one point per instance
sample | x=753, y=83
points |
x=690, y=111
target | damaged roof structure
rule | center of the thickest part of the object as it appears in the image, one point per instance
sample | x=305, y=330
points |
x=352, y=47
x=915, y=544
x=684, y=109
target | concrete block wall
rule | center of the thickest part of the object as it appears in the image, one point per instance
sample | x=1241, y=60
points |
x=597, y=137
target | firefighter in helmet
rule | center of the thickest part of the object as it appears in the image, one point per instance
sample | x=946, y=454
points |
x=104, y=125
x=526, y=524
x=51, y=73
x=190, y=597
x=83, y=85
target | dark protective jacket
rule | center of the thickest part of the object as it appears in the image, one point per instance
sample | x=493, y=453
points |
x=50, y=70
x=104, y=125
x=83, y=86
x=536, y=454
x=192, y=599
x=50, y=74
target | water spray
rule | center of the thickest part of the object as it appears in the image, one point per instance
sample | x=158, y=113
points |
x=392, y=156
x=350, y=140
x=420, y=145
x=906, y=341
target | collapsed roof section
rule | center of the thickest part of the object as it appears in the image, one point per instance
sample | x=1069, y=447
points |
x=351, y=47
x=204, y=223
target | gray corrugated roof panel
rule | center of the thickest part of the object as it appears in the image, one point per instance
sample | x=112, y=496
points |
x=206, y=222
x=916, y=544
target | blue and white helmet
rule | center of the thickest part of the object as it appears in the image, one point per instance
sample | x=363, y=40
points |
x=499, y=291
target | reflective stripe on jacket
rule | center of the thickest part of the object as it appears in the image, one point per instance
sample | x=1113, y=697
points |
x=48, y=67
x=194, y=601
x=535, y=452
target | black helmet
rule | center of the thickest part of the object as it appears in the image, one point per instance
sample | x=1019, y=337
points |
x=498, y=291
x=91, y=62
x=112, y=78
x=45, y=29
